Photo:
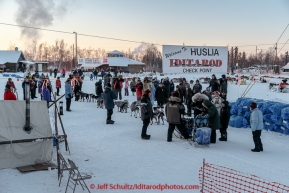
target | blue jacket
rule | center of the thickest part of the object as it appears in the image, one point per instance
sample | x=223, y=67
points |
x=68, y=89
x=256, y=120
x=46, y=93
x=108, y=97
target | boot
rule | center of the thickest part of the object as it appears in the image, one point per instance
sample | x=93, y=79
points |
x=145, y=137
x=109, y=122
x=255, y=150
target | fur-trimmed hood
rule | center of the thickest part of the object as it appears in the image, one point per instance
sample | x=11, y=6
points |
x=174, y=99
x=199, y=95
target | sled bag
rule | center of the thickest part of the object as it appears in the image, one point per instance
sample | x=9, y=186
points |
x=203, y=135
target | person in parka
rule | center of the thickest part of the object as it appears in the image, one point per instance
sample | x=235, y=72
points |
x=213, y=119
x=146, y=113
x=147, y=84
x=68, y=94
x=138, y=88
x=188, y=97
x=98, y=88
x=160, y=95
x=132, y=86
x=217, y=101
x=174, y=109
x=166, y=84
x=214, y=84
x=197, y=106
x=197, y=88
x=108, y=97
x=256, y=122
x=224, y=120
x=223, y=86
x=172, y=87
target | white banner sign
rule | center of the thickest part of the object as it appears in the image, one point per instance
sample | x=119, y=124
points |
x=92, y=60
x=194, y=59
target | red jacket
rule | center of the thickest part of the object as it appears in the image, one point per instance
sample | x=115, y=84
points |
x=58, y=83
x=11, y=84
x=8, y=95
x=118, y=82
x=139, y=87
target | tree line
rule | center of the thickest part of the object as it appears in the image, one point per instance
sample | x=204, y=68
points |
x=262, y=57
x=61, y=55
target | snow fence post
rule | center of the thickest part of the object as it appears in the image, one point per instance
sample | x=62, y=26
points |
x=203, y=178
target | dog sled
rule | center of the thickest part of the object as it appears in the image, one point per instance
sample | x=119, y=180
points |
x=197, y=128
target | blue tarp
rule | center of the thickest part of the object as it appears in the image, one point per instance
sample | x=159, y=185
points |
x=276, y=108
x=267, y=118
x=203, y=135
x=285, y=113
x=238, y=122
x=275, y=114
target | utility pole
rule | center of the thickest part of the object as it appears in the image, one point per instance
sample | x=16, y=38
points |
x=76, y=49
x=256, y=55
x=73, y=56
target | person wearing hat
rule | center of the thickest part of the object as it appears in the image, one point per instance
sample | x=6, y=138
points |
x=223, y=86
x=132, y=86
x=213, y=119
x=197, y=88
x=23, y=86
x=224, y=120
x=256, y=122
x=217, y=101
x=214, y=84
x=160, y=95
x=98, y=88
x=146, y=113
x=108, y=97
x=174, y=109
x=11, y=83
x=68, y=94
x=208, y=93
x=8, y=94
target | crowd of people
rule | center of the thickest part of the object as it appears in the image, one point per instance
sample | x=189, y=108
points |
x=184, y=99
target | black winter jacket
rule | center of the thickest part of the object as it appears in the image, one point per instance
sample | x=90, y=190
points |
x=225, y=115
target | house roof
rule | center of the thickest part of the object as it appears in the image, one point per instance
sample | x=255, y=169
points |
x=10, y=56
x=115, y=52
x=286, y=67
x=115, y=62
x=122, y=62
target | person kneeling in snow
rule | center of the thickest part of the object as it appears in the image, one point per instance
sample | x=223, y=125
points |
x=213, y=118
x=174, y=109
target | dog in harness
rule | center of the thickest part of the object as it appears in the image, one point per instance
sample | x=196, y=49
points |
x=135, y=108
x=158, y=115
x=122, y=105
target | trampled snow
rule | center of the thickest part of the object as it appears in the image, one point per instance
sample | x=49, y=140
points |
x=116, y=154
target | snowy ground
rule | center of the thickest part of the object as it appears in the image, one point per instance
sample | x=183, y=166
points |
x=115, y=154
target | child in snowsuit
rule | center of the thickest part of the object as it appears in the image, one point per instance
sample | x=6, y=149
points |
x=224, y=120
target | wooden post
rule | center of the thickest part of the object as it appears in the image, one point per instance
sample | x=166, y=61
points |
x=56, y=135
x=66, y=143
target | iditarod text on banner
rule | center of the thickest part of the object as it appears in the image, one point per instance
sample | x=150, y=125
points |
x=195, y=59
